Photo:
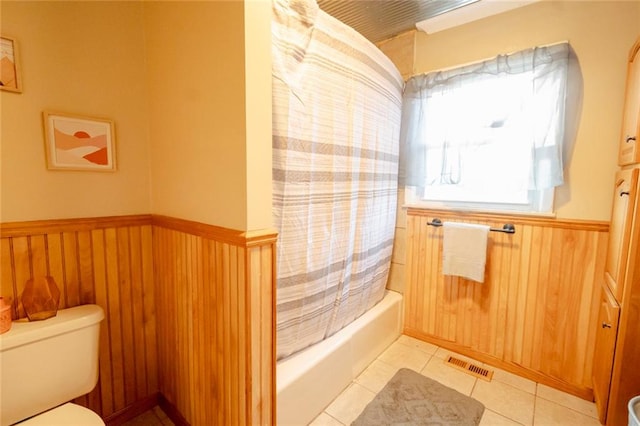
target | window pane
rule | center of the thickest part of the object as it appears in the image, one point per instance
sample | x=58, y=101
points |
x=476, y=147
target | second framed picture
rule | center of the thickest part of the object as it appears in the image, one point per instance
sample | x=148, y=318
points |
x=9, y=68
x=75, y=142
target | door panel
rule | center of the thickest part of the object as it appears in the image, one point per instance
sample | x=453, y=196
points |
x=625, y=192
x=629, y=151
x=604, y=350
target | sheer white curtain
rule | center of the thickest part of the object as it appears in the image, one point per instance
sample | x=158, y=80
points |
x=509, y=110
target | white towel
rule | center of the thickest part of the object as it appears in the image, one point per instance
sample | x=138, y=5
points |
x=464, y=250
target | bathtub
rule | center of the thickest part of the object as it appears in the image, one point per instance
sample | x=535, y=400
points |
x=309, y=380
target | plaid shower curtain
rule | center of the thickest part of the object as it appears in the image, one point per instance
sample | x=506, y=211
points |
x=336, y=121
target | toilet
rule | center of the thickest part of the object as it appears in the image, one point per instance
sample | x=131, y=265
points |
x=47, y=363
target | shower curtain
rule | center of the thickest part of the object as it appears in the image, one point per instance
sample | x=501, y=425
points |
x=336, y=119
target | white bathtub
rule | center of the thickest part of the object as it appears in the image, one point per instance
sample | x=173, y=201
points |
x=309, y=380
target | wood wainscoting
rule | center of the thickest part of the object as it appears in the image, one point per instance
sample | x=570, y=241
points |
x=106, y=261
x=216, y=322
x=535, y=315
x=189, y=310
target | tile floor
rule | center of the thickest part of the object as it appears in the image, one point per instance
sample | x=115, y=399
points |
x=508, y=399
x=153, y=417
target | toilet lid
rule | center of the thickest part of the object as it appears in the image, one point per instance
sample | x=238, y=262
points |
x=65, y=415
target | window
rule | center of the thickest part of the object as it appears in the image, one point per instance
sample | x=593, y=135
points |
x=487, y=135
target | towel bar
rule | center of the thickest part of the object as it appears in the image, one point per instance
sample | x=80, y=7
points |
x=508, y=228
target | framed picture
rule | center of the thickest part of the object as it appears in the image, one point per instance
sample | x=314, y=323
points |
x=9, y=69
x=79, y=143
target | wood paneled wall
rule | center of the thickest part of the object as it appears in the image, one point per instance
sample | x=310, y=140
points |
x=189, y=310
x=215, y=311
x=536, y=312
x=106, y=261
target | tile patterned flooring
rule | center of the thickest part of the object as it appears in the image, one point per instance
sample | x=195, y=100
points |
x=153, y=417
x=508, y=399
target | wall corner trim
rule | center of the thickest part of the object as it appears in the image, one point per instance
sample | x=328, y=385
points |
x=48, y=226
x=218, y=233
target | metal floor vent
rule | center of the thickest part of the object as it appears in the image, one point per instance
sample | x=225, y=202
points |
x=469, y=368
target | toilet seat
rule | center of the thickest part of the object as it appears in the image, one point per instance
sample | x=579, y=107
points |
x=68, y=414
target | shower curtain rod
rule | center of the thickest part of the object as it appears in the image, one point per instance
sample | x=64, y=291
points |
x=508, y=228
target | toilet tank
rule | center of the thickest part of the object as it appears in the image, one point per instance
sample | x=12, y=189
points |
x=47, y=363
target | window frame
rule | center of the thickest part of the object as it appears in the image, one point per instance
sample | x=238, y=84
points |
x=540, y=198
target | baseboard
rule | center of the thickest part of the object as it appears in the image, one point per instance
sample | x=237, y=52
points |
x=133, y=410
x=536, y=376
x=171, y=411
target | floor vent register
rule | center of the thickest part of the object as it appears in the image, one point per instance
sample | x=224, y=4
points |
x=469, y=368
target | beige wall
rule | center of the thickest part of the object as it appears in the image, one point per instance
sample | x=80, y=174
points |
x=188, y=85
x=84, y=58
x=601, y=34
x=258, y=112
x=210, y=148
x=210, y=158
x=196, y=104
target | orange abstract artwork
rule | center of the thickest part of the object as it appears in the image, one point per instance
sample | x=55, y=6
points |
x=9, y=76
x=78, y=143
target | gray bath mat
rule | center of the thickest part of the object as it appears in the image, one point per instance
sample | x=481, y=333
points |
x=413, y=399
